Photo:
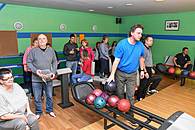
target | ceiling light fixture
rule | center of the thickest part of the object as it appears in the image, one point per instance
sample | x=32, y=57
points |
x=109, y=7
x=159, y=0
x=91, y=10
x=128, y=4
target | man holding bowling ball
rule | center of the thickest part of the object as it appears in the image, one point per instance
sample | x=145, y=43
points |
x=128, y=58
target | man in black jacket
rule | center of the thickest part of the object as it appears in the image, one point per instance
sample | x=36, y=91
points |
x=70, y=51
x=182, y=60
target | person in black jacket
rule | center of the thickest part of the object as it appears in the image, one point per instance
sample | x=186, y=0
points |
x=182, y=60
x=70, y=51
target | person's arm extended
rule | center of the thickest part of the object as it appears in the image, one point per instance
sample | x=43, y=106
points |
x=114, y=67
x=174, y=61
x=10, y=116
x=142, y=63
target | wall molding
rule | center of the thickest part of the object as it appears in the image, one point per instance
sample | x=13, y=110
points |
x=62, y=35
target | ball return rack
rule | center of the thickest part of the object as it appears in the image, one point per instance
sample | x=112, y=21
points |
x=81, y=90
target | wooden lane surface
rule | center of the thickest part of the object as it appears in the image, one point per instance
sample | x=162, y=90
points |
x=73, y=118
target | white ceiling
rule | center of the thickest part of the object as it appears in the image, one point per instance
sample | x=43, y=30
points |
x=139, y=7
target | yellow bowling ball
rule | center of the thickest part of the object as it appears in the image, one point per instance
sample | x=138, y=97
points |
x=178, y=71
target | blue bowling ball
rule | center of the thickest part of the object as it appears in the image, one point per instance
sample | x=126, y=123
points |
x=99, y=102
x=185, y=73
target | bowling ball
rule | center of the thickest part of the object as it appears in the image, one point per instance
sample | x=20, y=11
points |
x=90, y=99
x=99, y=103
x=105, y=96
x=123, y=105
x=185, y=73
x=171, y=70
x=112, y=101
x=192, y=74
x=178, y=71
x=110, y=87
x=97, y=92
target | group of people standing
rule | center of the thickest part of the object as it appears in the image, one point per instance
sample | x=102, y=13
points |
x=85, y=55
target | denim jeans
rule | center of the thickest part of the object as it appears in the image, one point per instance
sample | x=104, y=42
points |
x=82, y=78
x=37, y=90
x=72, y=65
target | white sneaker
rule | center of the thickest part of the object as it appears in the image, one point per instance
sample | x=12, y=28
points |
x=152, y=91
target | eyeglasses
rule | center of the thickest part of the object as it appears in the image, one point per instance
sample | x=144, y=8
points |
x=8, y=78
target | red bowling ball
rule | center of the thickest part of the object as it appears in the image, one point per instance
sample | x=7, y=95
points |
x=123, y=105
x=105, y=96
x=90, y=99
x=192, y=74
x=112, y=101
x=171, y=70
x=97, y=92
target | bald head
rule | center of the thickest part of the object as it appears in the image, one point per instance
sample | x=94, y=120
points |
x=42, y=40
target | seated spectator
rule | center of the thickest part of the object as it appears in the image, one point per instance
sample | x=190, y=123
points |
x=15, y=112
x=86, y=68
x=182, y=60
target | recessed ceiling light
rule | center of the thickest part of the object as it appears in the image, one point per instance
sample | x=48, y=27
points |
x=159, y=0
x=91, y=10
x=109, y=7
x=128, y=4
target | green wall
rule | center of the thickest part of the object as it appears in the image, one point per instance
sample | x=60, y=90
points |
x=48, y=20
x=155, y=24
